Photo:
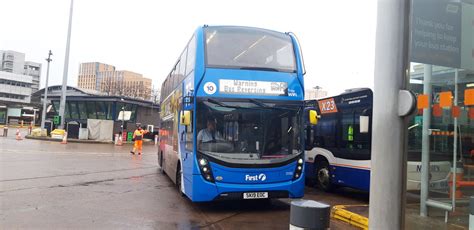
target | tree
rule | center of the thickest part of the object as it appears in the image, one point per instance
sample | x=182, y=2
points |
x=155, y=95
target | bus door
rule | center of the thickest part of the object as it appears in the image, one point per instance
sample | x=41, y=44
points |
x=186, y=140
x=354, y=150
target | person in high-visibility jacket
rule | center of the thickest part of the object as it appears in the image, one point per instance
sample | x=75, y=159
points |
x=138, y=140
x=350, y=136
x=350, y=133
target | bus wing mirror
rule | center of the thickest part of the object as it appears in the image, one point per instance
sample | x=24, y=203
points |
x=185, y=117
x=313, y=117
x=364, y=124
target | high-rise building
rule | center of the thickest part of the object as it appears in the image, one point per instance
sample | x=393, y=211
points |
x=33, y=69
x=106, y=79
x=14, y=62
x=15, y=88
x=18, y=80
x=15, y=94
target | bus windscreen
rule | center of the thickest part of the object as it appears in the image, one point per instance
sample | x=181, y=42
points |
x=249, y=48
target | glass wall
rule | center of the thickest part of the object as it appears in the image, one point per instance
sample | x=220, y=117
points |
x=82, y=110
x=126, y=107
x=3, y=116
x=106, y=110
x=73, y=109
x=442, y=132
x=91, y=112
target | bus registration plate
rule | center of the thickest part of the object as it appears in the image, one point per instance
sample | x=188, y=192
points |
x=255, y=195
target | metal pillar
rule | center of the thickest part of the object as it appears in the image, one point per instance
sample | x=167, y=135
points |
x=471, y=212
x=389, y=139
x=455, y=143
x=62, y=103
x=34, y=117
x=123, y=116
x=45, y=99
x=425, y=143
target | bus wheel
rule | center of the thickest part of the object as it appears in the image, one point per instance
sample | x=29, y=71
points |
x=323, y=176
x=160, y=162
x=179, y=173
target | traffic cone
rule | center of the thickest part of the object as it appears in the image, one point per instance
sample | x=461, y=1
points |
x=64, y=138
x=18, y=135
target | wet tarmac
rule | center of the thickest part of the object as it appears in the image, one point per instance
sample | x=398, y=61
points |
x=48, y=185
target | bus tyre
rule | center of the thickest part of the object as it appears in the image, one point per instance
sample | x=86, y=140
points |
x=323, y=176
x=160, y=162
x=178, y=179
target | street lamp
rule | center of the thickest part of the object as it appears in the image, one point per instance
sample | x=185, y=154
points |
x=123, y=114
x=62, y=102
x=45, y=99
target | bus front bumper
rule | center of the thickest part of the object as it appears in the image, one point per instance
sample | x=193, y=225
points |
x=230, y=191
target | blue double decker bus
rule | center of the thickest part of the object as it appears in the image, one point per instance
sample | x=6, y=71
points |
x=232, y=116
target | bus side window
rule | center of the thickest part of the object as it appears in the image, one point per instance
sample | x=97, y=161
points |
x=361, y=140
x=347, y=128
x=325, y=133
x=352, y=138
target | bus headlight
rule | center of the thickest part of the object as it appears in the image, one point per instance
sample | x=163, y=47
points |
x=206, y=171
x=298, y=169
x=203, y=162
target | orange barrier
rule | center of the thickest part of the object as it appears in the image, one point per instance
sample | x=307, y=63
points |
x=459, y=178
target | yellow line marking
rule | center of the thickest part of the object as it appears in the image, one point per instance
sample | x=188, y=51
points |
x=354, y=219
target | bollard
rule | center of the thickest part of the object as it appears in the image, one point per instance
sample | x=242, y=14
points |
x=64, y=141
x=309, y=214
x=18, y=135
x=5, y=131
x=156, y=139
x=120, y=141
x=116, y=139
x=471, y=212
x=30, y=128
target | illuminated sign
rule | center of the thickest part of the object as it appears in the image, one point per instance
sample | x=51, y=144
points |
x=327, y=106
x=253, y=87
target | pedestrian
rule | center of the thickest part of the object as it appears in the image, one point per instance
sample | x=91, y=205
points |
x=138, y=140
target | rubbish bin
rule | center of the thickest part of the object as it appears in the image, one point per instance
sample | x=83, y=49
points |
x=48, y=125
x=129, y=136
x=73, y=129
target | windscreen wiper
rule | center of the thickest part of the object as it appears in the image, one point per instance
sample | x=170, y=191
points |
x=222, y=104
x=261, y=104
x=260, y=68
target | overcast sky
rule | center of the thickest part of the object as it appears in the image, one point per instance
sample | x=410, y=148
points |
x=146, y=36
